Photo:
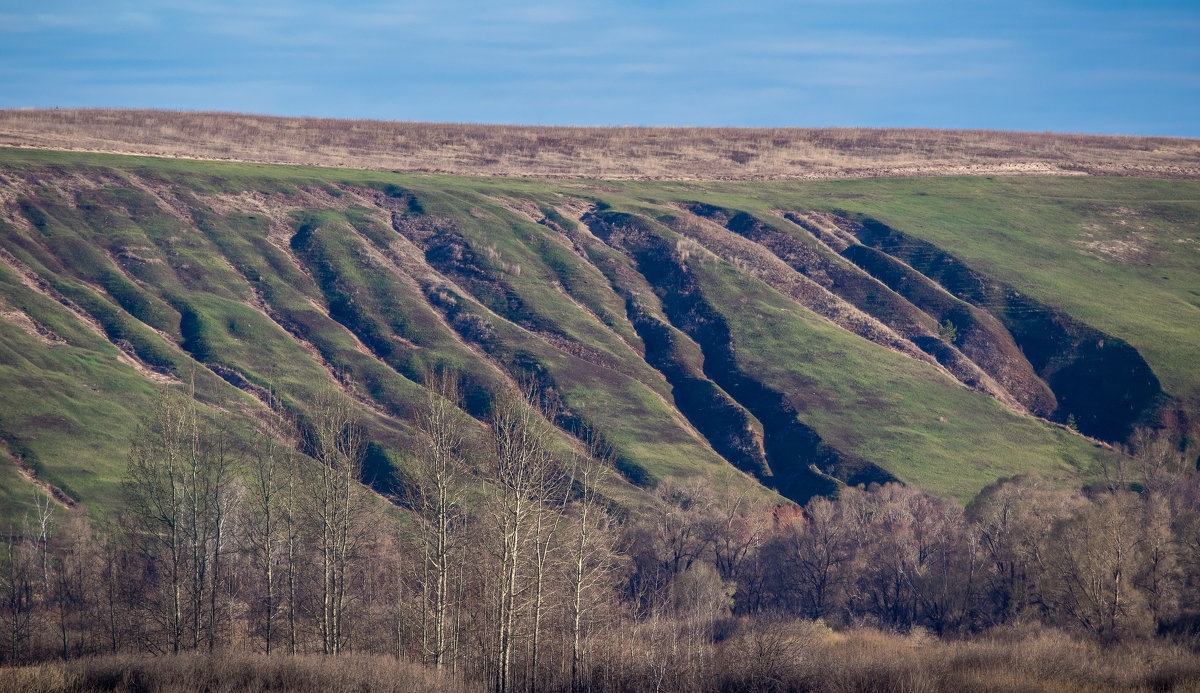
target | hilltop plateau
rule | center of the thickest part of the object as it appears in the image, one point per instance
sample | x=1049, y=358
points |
x=617, y=153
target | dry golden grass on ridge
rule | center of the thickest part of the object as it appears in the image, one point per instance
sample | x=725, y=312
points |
x=618, y=153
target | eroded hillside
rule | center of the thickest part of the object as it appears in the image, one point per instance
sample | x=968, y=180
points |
x=797, y=335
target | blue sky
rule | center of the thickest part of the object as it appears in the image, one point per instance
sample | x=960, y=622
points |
x=1062, y=65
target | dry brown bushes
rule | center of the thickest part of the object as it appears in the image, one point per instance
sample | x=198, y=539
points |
x=802, y=656
x=590, y=152
x=230, y=673
x=682, y=653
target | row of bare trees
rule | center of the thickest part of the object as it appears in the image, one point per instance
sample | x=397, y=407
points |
x=504, y=562
x=1114, y=561
x=536, y=548
x=494, y=563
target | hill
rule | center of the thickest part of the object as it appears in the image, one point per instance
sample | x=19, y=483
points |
x=787, y=335
x=623, y=153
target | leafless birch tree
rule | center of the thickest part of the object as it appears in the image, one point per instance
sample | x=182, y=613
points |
x=334, y=502
x=524, y=476
x=436, y=497
x=178, y=486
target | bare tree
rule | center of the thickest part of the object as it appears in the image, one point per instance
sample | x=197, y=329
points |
x=72, y=571
x=17, y=581
x=267, y=517
x=292, y=537
x=1012, y=518
x=945, y=579
x=44, y=526
x=736, y=534
x=436, y=496
x=524, y=475
x=179, y=485
x=1156, y=459
x=699, y=597
x=1093, y=559
x=807, y=561
x=591, y=544
x=114, y=574
x=334, y=502
x=669, y=542
x=880, y=525
x=219, y=493
x=546, y=553
x=157, y=502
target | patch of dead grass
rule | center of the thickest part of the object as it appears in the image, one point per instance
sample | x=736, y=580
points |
x=617, y=153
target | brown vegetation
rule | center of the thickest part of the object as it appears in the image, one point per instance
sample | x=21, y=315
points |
x=589, y=152
x=223, y=673
x=757, y=656
x=225, y=559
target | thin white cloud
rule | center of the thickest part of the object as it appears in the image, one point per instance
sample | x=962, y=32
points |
x=879, y=46
x=82, y=23
x=547, y=14
x=1180, y=78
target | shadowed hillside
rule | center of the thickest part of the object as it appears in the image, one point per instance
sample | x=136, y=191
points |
x=802, y=336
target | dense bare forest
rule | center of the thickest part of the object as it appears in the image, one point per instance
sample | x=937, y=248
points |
x=500, y=564
x=665, y=153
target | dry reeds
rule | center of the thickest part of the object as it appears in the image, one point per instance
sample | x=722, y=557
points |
x=791, y=656
x=231, y=673
x=590, y=152
x=761, y=655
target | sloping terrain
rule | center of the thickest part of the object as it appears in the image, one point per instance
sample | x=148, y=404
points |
x=942, y=332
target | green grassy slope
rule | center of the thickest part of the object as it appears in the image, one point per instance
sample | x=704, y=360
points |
x=881, y=406
x=636, y=320
x=1120, y=254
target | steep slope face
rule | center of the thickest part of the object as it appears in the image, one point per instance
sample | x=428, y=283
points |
x=1097, y=380
x=742, y=336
